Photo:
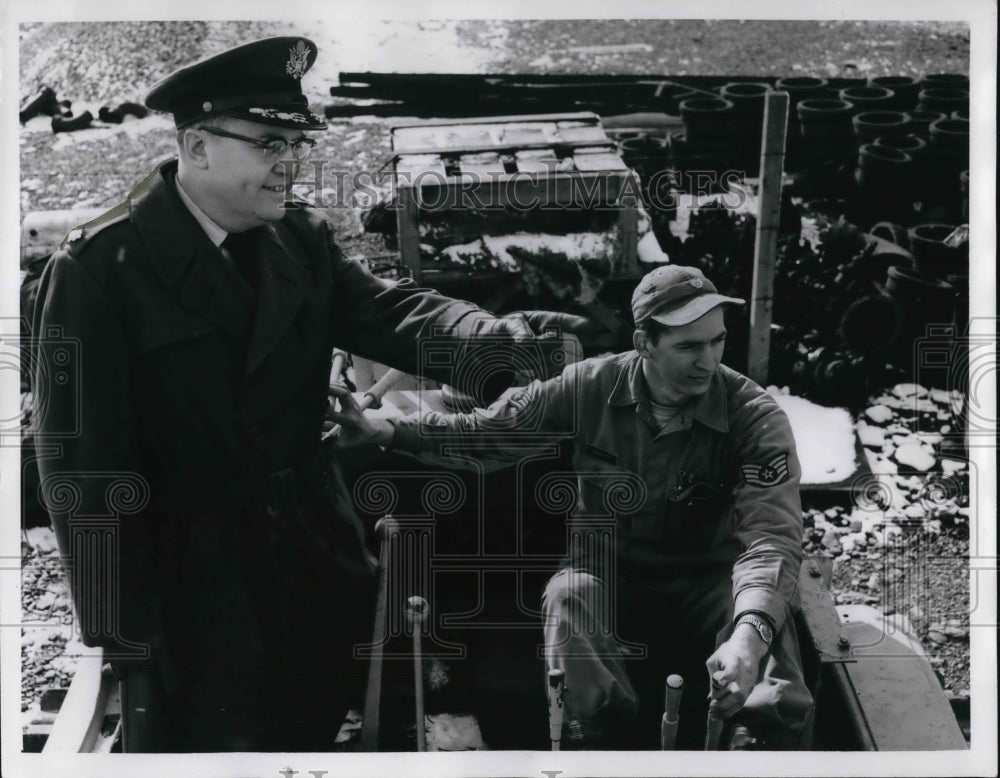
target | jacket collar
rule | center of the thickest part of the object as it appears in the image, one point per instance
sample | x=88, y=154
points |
x=710, y=408
x=189, y=264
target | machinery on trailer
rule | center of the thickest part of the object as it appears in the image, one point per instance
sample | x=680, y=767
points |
x=462, y=215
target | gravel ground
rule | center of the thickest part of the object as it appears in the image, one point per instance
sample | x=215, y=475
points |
x=731, y=48
x=921, y=574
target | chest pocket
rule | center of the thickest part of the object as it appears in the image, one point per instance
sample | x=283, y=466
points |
x=697, y=514
x=609, y=489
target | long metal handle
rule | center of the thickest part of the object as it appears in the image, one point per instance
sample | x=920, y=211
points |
x=416, y=613
x=556, y=691
x=671, y=713
x=713, y=733
x=386, y=527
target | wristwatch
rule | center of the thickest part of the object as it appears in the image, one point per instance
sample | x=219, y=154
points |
x=763, y=629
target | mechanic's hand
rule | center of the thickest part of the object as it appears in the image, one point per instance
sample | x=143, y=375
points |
x=734, y=669
x=356, y=429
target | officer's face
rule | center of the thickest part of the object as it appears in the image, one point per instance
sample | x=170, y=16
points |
x=682, y=361
x=247, y=187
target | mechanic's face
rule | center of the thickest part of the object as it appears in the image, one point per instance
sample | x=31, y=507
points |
x=682, y=361
x=246, y=186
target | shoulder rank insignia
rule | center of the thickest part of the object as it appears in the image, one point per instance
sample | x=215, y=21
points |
x=298, y=60
x=771, y=474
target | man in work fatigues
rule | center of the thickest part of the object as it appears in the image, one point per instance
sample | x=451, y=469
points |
x=691, y=467
x=184, y=354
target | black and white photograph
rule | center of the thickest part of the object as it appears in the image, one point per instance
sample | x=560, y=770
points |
x=540, y=388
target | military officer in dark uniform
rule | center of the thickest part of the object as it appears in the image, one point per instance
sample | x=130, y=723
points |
x=212, y=547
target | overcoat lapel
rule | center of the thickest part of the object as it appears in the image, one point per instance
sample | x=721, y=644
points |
x=284, y=279
x=186, y=260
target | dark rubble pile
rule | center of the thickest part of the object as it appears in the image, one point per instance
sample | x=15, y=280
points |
x=825, y=345
x=47, y=619
x=904, y=546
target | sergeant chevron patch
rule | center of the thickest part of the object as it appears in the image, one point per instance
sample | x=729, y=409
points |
x=771, y=474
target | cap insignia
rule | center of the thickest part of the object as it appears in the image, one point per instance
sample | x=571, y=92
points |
x=206, y=106
x=298, y=60
x=274, y=113
x=697, y=283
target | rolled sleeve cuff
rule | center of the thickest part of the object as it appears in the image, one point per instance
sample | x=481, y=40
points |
x=406, y=437
x=759, y=598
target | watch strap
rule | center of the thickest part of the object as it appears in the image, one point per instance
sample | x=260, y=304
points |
x=762, y=627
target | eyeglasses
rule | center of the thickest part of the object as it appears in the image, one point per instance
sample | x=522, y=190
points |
x=274, y=148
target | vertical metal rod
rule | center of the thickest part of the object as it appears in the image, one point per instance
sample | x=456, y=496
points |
x=386, y=527
x=713, y=724
x=713, y=733
x=671, y=710
x=416, y=613
x=556, y=690
x=337, y=368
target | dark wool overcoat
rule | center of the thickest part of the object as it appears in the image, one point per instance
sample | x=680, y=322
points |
x=178, y=441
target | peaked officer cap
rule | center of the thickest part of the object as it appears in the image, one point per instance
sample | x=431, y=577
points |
x=259, y=81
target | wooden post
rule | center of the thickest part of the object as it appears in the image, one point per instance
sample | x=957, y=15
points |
x=772, y=164
x=628, y=229
x=408, y=227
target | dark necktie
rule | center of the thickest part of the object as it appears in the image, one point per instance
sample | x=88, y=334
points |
x=242, y=248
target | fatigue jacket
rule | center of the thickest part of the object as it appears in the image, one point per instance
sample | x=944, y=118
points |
x=184, y=424
x=718, y=489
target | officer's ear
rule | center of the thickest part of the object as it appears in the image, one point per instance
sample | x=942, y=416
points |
x=192, y=147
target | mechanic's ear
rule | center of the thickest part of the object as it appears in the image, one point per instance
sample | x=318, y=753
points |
x=640, y=343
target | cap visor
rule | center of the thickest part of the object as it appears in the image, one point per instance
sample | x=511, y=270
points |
x=694, y=309
x=294, y=117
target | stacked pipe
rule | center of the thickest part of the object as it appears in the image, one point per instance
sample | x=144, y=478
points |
x=748, y=122
x=799, y=88
x=648, y=154
x=706, y=143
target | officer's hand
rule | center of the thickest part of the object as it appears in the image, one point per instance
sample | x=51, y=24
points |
x=521, y=326
x=513, y=326
x=555, y=324
x=356, y=429
x=734, y=669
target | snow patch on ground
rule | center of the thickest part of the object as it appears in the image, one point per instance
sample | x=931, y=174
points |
x=447, y=732
x=824, y=439
x=392, y=46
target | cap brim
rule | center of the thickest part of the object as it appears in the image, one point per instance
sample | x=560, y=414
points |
x=297, y=117
x=694, y=309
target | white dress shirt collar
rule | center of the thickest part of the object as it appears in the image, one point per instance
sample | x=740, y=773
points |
x=215, y=233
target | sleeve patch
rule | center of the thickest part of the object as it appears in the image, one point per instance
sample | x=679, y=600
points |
x=771, y=474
